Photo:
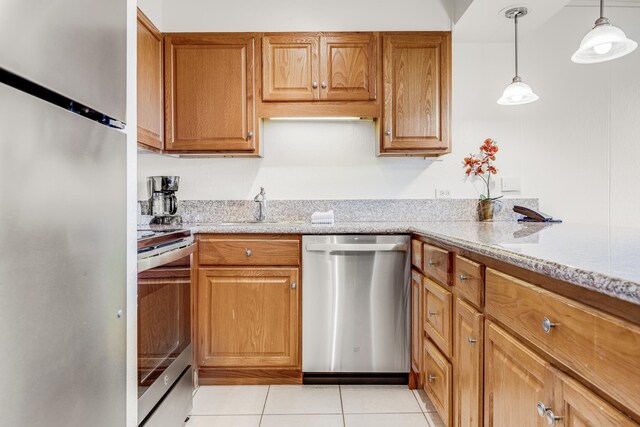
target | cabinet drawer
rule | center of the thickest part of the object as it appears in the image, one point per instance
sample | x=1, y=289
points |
x=437, y=381
x=438, y=308
x=469, y=280
x=436, y=263
x=416, y=254
x=600, y=348
x=248, y=251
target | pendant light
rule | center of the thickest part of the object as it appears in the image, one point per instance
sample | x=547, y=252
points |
x=517, y=92
x=603, y=43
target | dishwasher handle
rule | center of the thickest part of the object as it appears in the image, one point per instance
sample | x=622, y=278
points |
x=357, y=247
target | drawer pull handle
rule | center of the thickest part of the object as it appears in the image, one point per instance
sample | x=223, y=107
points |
x=471, y=340
x=431, y=378
x=551, y=418
x=247, y=252
x=294, y=285
x=541, y=408
x=547, y=325
x=432, y=262
x=463, y=277
x=432, y=313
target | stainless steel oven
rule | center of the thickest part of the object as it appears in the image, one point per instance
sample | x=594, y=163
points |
x=165, y=382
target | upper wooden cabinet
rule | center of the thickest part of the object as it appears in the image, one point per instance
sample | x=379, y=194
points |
x=289, y=68
x=210, y=93
x=311, y=67
x=417, y=94
x=150, y=84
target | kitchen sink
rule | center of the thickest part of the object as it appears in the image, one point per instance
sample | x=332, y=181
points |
x=264, y=223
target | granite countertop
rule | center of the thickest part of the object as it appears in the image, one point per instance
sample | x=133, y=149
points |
x=600, y=258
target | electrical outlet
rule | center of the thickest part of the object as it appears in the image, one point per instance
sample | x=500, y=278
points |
x=443, y=193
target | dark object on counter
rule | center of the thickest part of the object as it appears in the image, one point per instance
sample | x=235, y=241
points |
x=167, y=220
x=533, y=216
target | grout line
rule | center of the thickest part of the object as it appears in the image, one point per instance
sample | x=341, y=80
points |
x=344, y=421
x=429, y=424
x=265, y=405
x=415, y=396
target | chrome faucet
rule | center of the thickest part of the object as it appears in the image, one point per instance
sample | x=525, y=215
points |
x=261, y=198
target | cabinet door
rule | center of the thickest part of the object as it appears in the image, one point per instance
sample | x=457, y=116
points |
x=348, y=67
x=209, y=84
x=513, y=381
x=289, y=68
x=417, y=93
x=417, y=333
x=150, y=88
x=468, y=335
x=438, y=306
x=248, y=317
x=574, y=405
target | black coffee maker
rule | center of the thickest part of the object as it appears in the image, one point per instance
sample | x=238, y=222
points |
x=163, y=203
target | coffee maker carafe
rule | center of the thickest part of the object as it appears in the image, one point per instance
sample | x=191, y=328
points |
x=163, y=203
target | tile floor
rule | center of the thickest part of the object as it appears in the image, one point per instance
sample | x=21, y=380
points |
x=312, y=406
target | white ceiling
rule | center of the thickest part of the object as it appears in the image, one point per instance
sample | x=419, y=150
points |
x=484, y=20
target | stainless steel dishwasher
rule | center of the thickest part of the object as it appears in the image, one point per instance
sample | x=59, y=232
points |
x=355, y=304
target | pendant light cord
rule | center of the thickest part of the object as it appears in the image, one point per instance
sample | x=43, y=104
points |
x=515, y=18
x=601, y=8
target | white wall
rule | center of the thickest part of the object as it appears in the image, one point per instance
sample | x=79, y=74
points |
x=562, y=147
x=153, y=10
x=304, y=15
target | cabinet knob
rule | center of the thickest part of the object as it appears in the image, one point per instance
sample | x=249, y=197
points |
x=551, y=418
x=294, y=285
x=247, y=252
x=432, y=262
x=314, y=85
x=431, y=378
x=462, y=277
x=541, y=408
x=387, y=132
x=471, y=340
x=324, y=85
x=249, y=135
x=547, y=325
x=432, y=313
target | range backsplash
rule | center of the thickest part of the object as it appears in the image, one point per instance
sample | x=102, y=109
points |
x=215, y=211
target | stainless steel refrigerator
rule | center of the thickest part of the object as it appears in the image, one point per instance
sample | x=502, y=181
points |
x=62, y=213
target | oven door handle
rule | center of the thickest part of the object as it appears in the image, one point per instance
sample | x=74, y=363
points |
x=358, y=247
x=164, y=258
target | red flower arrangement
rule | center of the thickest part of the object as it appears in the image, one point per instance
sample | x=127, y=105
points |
x=482, y=164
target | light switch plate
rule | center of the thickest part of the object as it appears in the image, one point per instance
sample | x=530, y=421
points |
x=510, y=184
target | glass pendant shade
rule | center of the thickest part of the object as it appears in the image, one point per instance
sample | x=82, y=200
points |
x=604, y=43
x=517, y=93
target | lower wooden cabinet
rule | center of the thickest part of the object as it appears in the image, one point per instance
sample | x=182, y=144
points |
x=513, y=381
x=468, y=338
x=438, y=380
x=574, y=405
x=416, y=319
x=248, y=317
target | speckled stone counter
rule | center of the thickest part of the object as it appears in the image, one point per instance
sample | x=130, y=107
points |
x=603, y=259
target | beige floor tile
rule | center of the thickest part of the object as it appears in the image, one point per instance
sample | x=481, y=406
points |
x=423, y=400
x=224, y=421
x=378, y=399
x=302, y=421
x=385, y=420
x=229, y=400
x=303, y=399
